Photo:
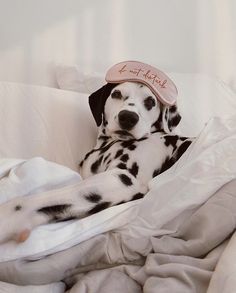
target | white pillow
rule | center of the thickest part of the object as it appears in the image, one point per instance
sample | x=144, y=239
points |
x=46, y=122
x=200, y=98
x=72, y=79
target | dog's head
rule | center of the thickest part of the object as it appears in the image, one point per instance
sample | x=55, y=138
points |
x=130, y=110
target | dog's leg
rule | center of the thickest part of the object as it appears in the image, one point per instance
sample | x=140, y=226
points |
x=20, y=215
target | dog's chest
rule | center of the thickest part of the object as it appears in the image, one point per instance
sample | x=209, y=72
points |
x=139, y=157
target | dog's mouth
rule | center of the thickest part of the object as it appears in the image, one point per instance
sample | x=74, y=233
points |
x=123, y=134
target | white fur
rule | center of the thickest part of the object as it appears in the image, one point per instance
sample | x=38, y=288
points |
x=136, y=94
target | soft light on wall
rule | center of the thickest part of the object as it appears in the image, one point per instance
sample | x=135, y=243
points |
x=181, y=36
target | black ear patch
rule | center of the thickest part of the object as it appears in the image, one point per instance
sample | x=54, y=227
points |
x=98, y=99
x=169, y=116
x=173, y=118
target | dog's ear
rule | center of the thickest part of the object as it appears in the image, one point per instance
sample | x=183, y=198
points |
x=97, y=101
x=168, y=119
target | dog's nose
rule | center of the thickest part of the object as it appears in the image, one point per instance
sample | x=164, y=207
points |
x=127, y=119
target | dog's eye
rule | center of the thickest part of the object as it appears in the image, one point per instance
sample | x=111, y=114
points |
x=116, y=94
x=149, y=103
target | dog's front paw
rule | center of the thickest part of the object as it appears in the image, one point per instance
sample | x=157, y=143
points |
x=17, y=221
x=22, y=236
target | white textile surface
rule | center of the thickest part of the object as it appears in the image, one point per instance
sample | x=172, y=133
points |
x=49, y=288
x=224, y=277
x=208, y=164
x=37, y=121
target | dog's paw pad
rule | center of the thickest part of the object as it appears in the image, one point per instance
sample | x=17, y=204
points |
x=22, y=236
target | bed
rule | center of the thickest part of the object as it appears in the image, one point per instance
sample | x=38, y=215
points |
x=179, y=238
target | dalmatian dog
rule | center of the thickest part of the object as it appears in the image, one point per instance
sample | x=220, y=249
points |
x=135, y=143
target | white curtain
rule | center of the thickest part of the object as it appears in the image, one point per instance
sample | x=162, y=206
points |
x=217, y=38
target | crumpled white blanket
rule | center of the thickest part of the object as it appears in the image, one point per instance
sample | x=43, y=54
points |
x=209, y=163
x=58, y=287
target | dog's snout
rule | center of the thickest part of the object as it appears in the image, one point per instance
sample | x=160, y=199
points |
x=127, y=119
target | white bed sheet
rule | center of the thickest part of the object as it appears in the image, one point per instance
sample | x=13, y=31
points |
x=48, y=288
x=224, y=277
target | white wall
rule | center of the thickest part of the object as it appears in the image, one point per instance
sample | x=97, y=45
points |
x=175, y=35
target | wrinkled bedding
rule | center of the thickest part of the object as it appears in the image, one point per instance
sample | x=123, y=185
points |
x=170, y=241
x=224, y=277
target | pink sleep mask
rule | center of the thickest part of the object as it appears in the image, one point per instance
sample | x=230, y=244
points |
x=160, y=84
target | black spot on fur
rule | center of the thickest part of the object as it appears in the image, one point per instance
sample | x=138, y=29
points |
x=106, y=158
x=174, y=121
x=126, y=180
x=168, y=162
x=173, y=109
x=116, y=94
x=127, y=143
x=182, y=148
x=132, y=147
x=131, y=104
x=124, y=158
x=142, y=138
x=183, y=138
x=134, y=169
x=121, y=166
x=137, y=196
x=121, y=202
x=105, y=147
x=18, y=208
x=123, y=133
x=149, y=103
x=104, y=121
x=93, y=197
x=99, y=207
x=130, y=144
x=58, y=220
x=103, y=137
x=166, y=115
x=158, y=124
x=55, y=210
x=118, y=153
x=88, y=154
x=96, y=165
x=171, y=140
x=155, y=173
